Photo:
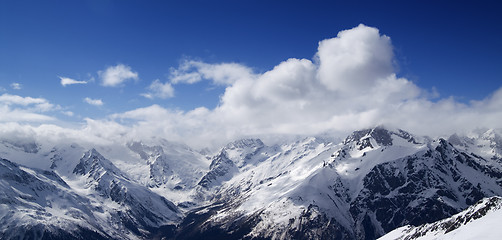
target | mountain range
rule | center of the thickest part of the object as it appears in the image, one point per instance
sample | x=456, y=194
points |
x=375, y=181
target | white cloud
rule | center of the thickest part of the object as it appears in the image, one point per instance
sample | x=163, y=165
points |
x=68, y=113
x=16, y=86
x=116, y=75
x=350, y=84
x=95, y=102
x=51, y=134
x=159, y=90
x=354, y=59
x=36, y=104
x=222, y=73
x=16, y=99
x=14, y=108
x=68, y=81
x=21, y=115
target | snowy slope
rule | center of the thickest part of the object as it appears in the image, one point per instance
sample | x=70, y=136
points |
x=42, y=155
x=37, y=203
x=172, y=170
x=487, y=144
x=420, y=188
x=480, y=221
x=133, y=205
x=98, y=201
x=372, y=182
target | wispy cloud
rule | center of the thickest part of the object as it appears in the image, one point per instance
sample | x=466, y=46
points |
x=68, y=113
x=95, y=102
x=19, y=115
x=68, y=81
x=191, y=71
x=159, y=90
x=16, y=86
x=38, y=104
x=14, y=108
x=116, y=75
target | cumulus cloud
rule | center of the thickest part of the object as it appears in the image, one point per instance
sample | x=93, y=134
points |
x=159, y=90
x=68, y=81
x=116, y=75
x=95, y=102
x=16, y=86
x=350, y=84
x=355, y=59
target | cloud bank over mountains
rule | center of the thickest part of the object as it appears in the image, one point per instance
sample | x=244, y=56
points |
x=351, y=83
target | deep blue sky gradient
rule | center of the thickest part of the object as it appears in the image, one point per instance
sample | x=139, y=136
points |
x=453, y=46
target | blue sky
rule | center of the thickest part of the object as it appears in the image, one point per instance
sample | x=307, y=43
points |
x=453, y=48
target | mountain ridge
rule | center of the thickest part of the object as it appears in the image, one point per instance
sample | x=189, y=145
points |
x=458, y=225
x=372, y=182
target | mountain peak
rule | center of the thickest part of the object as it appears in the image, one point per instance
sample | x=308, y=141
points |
x=221, y=168
x=382, y=136
x=94, y=152
x=92, y=161
x=245, y=143
x=457, y=140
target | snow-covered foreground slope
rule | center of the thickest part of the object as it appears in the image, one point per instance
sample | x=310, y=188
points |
x=374, y=181
x=480, y=221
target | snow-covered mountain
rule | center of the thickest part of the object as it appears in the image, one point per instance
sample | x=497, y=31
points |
x=480, y=221
x=134, y=206
x=98, y=202
x=37, y=203
x=371, y=183
x=169, y=169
